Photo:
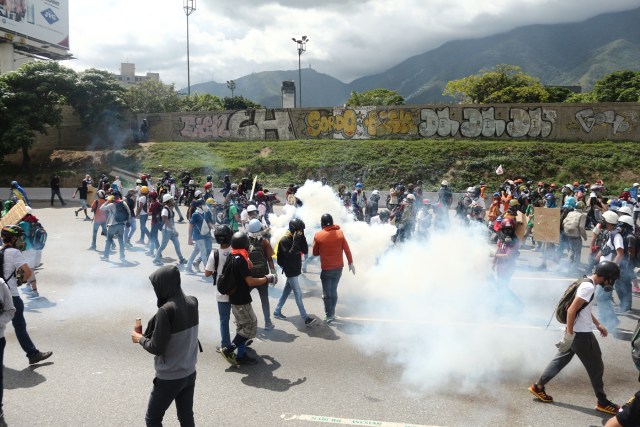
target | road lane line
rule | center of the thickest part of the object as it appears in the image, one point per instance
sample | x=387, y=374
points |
x=439, y=322
x=347, y=421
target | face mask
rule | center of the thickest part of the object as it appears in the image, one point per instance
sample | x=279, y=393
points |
x=20, y=243
x=607, y=286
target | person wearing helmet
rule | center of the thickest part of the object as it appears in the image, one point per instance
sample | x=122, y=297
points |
x=155, y=213
x=99, y=218
x=580, y=340
x=226, y=186
x=199, y=233
x=261, y=257
x=330, y=244
x=371, y=208
x=131, y=225
x=504, y=265
x=574, y=229
x=215, y=263
x=494, y=208
x=118, y=215
x=142, y=212
x=291, y=245
x=445, y=196
x=623, y=287
x=358, y=201
x=208, y=190
x=169, y=232
x=240, y=299
x=15, y=268
x=173, y=192
x=407, y=223
x=423, y=219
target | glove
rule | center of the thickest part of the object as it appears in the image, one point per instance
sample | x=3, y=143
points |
x=352, y=269
x=271, y=279
x=565, y=344
x=275, y=274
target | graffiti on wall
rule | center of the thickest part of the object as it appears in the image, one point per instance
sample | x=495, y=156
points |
x=243, y=124
x=588, y=120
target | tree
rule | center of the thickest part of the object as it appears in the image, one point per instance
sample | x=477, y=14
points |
x=239, y=103
x=375, y=97
x=152, y=96
x=98, y=99
x=33, y=96
x=558, y=94
x=501, y=84
x=619, y=86
x=201, y=102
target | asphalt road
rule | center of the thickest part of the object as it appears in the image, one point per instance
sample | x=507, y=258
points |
x=305, y=376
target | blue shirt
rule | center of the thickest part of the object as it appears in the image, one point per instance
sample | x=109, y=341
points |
x=196, y=221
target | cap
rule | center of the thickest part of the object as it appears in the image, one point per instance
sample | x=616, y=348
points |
x=445, y=182
x=636, y=184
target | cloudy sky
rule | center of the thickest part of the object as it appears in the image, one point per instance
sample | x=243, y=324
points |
x=348, y=38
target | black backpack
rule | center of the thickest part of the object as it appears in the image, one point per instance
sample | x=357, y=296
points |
x=568, y=297
x=121, y=214
x=256, y=254
x=6, y=279
x=38, y=236
x=225, y=282
x=216, y=262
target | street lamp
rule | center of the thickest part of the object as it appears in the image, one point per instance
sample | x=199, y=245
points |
x=189, y=7
x=231, y=85
x=302, y=47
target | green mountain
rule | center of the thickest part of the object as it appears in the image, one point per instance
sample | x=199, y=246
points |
x=560, y=54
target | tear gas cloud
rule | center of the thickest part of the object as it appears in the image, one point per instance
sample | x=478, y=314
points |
x=432, y=306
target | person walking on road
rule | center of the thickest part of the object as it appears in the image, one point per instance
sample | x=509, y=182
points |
x=118, y=215
x=329, y=244
x=172, y=337
x=579, y=339
x=7, y=311
x=82, y=192
x=55, y=189
x=169, y=232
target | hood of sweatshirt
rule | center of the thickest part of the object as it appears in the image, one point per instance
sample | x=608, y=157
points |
x=166, y=283
x=331, y=227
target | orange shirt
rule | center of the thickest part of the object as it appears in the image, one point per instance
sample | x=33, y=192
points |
x=329, y=243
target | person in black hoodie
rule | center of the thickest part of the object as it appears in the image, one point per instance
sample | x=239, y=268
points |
x=291, y=246
x=172, y=336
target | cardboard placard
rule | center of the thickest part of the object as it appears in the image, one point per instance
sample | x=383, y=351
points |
x=15, y=214
x=546, y=225
x=91, y=194
x=521, y=225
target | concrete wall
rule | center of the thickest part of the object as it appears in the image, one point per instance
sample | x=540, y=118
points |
x=563, y=122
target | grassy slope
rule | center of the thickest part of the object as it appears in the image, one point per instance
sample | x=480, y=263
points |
x=378, y=163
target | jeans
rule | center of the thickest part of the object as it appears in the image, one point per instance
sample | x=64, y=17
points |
x=116, y=230
x=96, y=226
x=224, y=311
x=131, y=229
x=623, y=289
x=199, y=248
x=606, y=315
x=330, y=279
x=292, y=284
x=20, y=326
x=144, y=231
x=166, y=391
x=263, y=291
x=168, y=236
x=177, y=209
x=3, y=343
x=154, y=244
x=57, y=193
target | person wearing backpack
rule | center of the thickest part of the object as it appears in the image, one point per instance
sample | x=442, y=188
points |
x=574, y=226
x=627, y=264
x=155, y=212
x=7, y=312
x=169, y=232
x=131, y=224
x=261, y=257
x=142, y=212
x=32, y=252
x=199, y=232
x=99, y=218
x=117, y=216
x=239, y=275
x=580, y=340
x=290, y=247
x=612, y=250
x=13, y=266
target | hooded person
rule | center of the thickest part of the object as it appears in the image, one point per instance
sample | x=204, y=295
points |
x=172, y=336
x=18, y=191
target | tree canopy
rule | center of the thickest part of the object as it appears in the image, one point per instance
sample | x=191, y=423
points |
x=153, y=96
x=375, y=97
x=501, y=84
x=239, y=103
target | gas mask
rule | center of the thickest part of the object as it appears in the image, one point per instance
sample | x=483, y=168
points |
x=607, y=286
x=20, y=243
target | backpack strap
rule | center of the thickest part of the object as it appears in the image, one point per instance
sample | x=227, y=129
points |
x=216, y=262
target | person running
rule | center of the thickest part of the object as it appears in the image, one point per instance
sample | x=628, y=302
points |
x=82, y=192
x=261, y=257
x=215, y=263
x=118, y=215
x=291, y=245
x=329, y=244
x=142, y=212
x=169, y=232
x=99, y=218
x=580, y=340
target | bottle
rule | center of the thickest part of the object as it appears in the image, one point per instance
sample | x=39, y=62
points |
x=138, y=327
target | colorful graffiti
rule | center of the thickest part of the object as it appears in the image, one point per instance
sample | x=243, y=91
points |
x=243, y=124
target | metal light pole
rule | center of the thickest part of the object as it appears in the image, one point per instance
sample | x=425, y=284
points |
x=189, y=7
x=302, y=47
x=231, y=85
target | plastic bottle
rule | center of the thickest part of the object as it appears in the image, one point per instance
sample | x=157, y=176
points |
x=138, y=327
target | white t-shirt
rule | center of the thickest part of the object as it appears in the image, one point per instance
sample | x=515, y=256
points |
x=142, y=200
x=13, y=259
x=223, y=254
x=618, y=243
x=584, y=322
x=244, y=217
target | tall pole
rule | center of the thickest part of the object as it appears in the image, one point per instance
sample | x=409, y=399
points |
x=302, y=47
x=231, y=85
x=189, y=7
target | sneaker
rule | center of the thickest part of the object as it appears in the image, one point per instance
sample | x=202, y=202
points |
x=128, y=244
x=268, y=326
x=540, y=393
x=248, y=343
x=189, y=271
x=310, y=321
x=196, y=265
x=228, y=355
x=157, y=262
x=608, y=407
x=218, y=349
x=92, y=248
x=246, y=360
x=329, y=319
x=183, y=261
x=104, y=258
x=279, y=315
x=39, y=357
x=618, y=311
x=76, y=212
x=34, y=295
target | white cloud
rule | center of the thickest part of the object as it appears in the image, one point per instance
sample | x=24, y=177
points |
x=348, y=39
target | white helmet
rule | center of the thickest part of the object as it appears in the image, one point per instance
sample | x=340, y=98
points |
x=192, y=182
x=610, y=217
x=197, y=194
x=375, y=193
x=166, y=198
x=411, y=197
x=626, y=219
x=625, y=210
x=101, y=194
x=445, y=183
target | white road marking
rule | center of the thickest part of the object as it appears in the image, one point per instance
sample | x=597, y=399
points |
x=544, y=279
x=347, y=421
x=440, y=322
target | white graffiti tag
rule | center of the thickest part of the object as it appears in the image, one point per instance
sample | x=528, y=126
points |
x=588, y=119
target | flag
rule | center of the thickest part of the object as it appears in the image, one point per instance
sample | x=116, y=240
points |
x=499, y=171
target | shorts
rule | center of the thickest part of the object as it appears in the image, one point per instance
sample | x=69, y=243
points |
x=83, y=204
x=246, y=321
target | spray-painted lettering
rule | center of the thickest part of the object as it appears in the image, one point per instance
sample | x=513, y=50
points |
x=206, y=127
x=319, y=123
x=390, y=122
x=588, y=120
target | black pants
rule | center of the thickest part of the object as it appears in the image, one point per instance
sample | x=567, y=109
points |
x=585, y=346
x=166, y=391
x=3, y=343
